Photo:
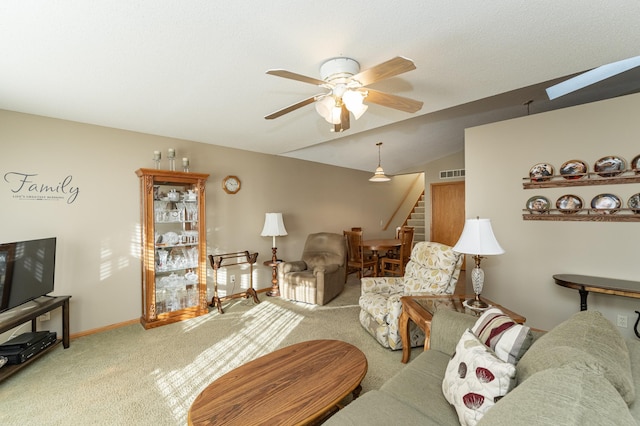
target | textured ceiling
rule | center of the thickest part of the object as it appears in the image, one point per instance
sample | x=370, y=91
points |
x=196, y=69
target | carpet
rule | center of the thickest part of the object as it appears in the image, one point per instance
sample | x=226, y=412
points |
x=130, y=375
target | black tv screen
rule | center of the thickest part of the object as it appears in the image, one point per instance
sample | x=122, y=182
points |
x=27, y=270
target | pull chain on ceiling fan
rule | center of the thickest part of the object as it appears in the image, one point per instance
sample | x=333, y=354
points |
x=348, y=91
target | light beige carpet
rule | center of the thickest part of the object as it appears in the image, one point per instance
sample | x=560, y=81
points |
x=132, y=376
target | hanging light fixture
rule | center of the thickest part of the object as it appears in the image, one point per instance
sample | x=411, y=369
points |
x=379, y=175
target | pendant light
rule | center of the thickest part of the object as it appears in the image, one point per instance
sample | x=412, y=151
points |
x=379, y=175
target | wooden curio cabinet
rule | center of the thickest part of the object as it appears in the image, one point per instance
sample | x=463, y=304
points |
x=174, y=282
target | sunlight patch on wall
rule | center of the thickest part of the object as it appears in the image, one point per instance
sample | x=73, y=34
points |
x=106, y=267
x=136, y=242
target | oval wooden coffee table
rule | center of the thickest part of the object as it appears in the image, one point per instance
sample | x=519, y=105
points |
x=291, y=386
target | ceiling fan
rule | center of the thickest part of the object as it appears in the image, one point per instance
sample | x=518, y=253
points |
x=592, y=77
x=347, y=90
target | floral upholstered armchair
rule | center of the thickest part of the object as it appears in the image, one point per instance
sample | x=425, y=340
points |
x=434, y=268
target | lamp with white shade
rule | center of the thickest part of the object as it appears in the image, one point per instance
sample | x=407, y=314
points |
x=478, y=240
x=274, y=227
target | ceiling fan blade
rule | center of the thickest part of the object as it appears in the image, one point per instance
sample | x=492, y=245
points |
x=592, y=77
x=390, y=68
x=290, y=108
x=344, y=120
x=393, y=101
x=297, y=77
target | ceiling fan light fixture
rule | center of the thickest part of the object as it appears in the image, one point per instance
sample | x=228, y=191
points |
x=335, y=115
x=378, y=175
x=359, y=111
x=353, y=100
x=324, y=107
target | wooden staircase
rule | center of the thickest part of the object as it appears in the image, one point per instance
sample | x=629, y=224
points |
x=417, y=220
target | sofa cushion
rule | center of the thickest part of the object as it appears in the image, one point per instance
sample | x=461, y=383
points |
x=377, y=408
x=561, y=397
x=588, y=339
x=419, y=385
x=446, y=328
x=634, y=355
x=475, y=379
x=499, y=332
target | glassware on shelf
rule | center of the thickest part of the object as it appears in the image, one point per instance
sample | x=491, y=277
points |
x=156, y=158
x=163, y=256
x=172, y=159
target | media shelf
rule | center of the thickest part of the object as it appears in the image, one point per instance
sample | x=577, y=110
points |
x=30, y=311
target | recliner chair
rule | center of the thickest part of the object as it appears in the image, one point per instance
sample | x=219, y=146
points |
x=319, y=276
x=434, y=268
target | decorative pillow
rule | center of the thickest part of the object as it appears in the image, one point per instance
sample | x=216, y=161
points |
x=475, y=379
x=499, y=332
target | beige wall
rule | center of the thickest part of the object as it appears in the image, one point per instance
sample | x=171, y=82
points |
x=98, y=233
x=499, y=155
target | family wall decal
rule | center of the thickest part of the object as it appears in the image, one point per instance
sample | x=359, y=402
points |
x=26, y=186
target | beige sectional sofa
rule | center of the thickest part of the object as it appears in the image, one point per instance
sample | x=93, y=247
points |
x=581, y=372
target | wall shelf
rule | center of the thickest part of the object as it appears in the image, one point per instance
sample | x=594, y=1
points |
x=588, y=179
x=587, y=215
x=583, y=215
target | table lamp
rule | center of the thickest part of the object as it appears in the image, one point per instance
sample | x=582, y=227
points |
x=478, y=240
x=273, y=227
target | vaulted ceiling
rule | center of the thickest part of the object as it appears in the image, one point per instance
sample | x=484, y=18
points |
x=196, y=70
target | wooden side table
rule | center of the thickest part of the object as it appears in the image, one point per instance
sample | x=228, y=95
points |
x=585, y=283
x=420, y=310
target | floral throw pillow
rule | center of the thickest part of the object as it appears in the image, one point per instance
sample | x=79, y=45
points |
x=499, y=332
x=475, y=379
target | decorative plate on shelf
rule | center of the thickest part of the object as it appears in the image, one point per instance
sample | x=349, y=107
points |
x=538, y=204
x=171, y=238
x=634, y=203
x=541, y=172
x=635, y=164
x=569, y=204
x=606, y=203
x=609, y=166
x=573, y=169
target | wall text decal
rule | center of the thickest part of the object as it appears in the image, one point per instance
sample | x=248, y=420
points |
x=25, y=186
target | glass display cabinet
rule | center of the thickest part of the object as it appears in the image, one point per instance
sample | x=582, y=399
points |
x=174, y=282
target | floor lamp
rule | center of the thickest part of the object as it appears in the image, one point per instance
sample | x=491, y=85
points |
x=478, y=240
x=273, y=227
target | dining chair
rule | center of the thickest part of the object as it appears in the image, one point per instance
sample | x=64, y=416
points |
x=357, y=261
x=396, y=265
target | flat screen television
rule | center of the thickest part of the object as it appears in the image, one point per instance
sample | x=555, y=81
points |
x=27, y=270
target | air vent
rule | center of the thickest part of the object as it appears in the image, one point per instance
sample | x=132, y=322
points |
x=451, y=174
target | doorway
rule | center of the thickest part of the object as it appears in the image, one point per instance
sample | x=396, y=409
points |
x=447, y=212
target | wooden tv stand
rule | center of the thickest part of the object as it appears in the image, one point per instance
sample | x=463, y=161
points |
x=30, y=311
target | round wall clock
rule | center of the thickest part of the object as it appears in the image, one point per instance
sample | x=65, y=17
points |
x=231, y=184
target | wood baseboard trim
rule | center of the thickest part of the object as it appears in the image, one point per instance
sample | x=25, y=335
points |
x=105, y=328
x=133, y=321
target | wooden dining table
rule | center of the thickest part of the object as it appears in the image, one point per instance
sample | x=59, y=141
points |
x=378, y=245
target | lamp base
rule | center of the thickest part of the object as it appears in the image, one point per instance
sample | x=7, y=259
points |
x=477, y=303
x=275, y=288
